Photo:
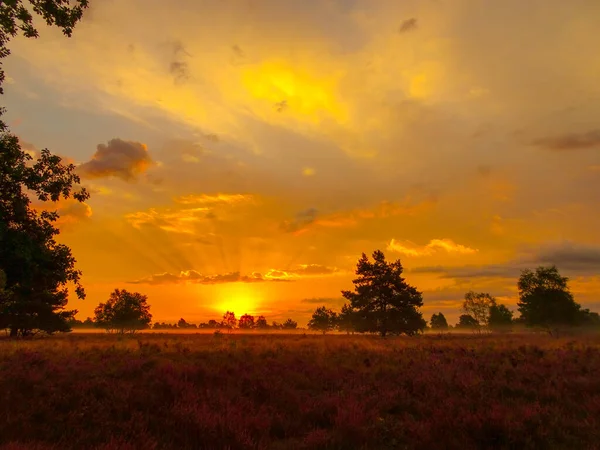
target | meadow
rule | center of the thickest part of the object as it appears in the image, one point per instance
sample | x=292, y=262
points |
x=299, y=391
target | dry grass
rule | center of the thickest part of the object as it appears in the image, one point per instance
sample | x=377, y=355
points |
x=295, y=391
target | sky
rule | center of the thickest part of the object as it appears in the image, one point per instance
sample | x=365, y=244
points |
x=242, y=154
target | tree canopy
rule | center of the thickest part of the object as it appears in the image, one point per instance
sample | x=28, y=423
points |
x=438, y=322
x=124, y=312
x=16, y=17
x=37, y=268
x=467, y=322
x=545, y=300
x=477, y=305
x=323, y=319
x=383, y=301
x=500, y=318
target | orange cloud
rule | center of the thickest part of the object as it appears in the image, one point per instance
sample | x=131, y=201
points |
x=193, y=276
x=409, y=248
x=214, y=199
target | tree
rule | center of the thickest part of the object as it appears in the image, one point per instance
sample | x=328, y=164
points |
x=246, y=322
x=323, y=319
x=229, y=320
x=289, y=324
x=183, y=324
x=276, y=325
x=124, y=312
x=346, y=319
x=261, y=323
x=383, y=301
x=545, y=300
x=15, y=18
x=477, y=305
x=589, y=319
x=38, y=269
x=501, y=318
x=439, y=322
x=467, y=322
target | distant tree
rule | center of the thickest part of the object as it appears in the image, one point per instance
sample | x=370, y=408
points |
x=88, y=322
x=477, y=305
x=467, y=322
x=183, y=324
x=289, y=324
x=323, y=319
x=276, y=325
x=124, y=312
x=261, y=323
x=439, y=322
x=246, y=322
x=382, y=299
x=545, y=300
x=501, y=318
x=229, y=320
x=588, y=318
x=346, y=319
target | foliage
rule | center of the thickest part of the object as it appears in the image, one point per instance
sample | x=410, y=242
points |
x=261, y=323
x=545, y=300
x=229, y=320
x=289, y=324
x=124, y=312
x=37, y=268
x=246, y=322
x=183, y=324
x=477, y=305
x=589, y=319
x=383, y=301
x=16, y=17
x=501, y=318
x=467, y=322
x=346, y=319
x=294, y=392
x=438, y=322
x=323, y=319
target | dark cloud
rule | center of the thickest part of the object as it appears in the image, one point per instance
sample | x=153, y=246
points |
x=179, y=67
x=180, y=71
x=408, y=25
x=313, y=269
x=302, y=219
x=193, y=276
x=570, y=141
x=571, y=258
x=122, y=159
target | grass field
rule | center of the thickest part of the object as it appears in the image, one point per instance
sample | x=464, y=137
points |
x=295, y=391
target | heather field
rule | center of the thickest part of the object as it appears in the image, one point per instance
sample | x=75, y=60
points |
x=296, y=391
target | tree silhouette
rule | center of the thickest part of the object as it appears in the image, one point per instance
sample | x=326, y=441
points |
x=323, y=319
x=545, y=300
x=501, y=318
x=467, y=322
x=37, y=268
x=384, y=302
x=246, y=322
x=289, y=324
x=229, y=320
x=438, y=322
x=477, y=305
x=261, y=323
x=124, y=312
x=15, y=18
x=346, y=319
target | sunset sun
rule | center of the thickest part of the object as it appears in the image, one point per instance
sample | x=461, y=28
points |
x=239, y=298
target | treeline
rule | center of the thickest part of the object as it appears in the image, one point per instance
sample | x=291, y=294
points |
x=128, y=312
x=384, y=303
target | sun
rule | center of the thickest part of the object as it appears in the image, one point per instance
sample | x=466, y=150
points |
x=239, y=298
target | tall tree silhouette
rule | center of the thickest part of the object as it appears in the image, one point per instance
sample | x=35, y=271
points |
x=384, y=302
x=545, y=300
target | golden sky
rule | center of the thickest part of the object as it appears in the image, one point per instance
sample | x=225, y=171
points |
x=242, y=154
